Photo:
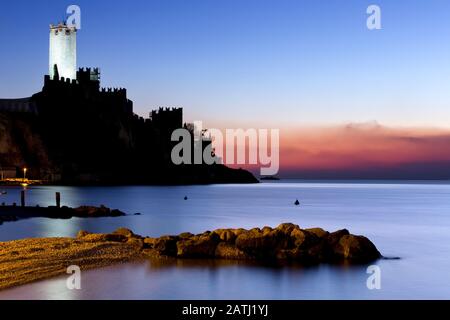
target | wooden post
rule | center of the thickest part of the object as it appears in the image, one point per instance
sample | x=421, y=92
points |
x=22, y=198
x=58, y=200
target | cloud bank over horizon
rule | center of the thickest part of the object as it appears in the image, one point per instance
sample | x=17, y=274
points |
x=364, y=151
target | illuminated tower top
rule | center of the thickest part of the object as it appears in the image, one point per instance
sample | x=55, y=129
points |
x=63, y=51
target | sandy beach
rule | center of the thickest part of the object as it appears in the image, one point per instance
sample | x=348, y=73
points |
x=25, y=261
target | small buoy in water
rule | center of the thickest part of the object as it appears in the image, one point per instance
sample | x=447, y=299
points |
x=137, y=214
x=185, y=198
x=297, y=202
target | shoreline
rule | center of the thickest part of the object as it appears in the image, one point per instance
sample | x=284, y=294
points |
x=29, y=260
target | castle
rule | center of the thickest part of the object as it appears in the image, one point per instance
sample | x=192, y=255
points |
x=75, y=131
x=63, y=51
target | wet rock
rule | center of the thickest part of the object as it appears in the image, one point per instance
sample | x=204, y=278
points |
x=149, y=242
x=287, y=228
x=298, y=237
x=266, y=230
x=317, y=253
x=334, y=237
x=185, y=235
x=136, y=242
x=90, y=211
x=82, y=234
x=226, y=235
x=262, y=245
x=202, y=247
x=294, y=254
x=166, y=245
x=113, y=237
x=285, y=242
x=125, y=232
x=238, y=231
x=319, y=232
x=229, y=251
x=356, y=248
x=117, y=213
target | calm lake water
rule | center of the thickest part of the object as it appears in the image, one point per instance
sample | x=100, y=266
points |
x=408, y=220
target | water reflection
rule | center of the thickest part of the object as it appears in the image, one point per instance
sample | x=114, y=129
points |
x=203, y=279
x=407, y=220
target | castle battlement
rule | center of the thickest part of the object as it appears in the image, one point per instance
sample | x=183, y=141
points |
x=62, y=26
x=62, y=81
x=167, y=117
x=166, y=110
x=89, y=69
x=114, y=92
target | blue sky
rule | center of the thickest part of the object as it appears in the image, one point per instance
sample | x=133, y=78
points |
x=277, y=63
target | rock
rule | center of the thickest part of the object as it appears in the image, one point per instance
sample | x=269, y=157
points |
x=334, y=237
x=166, y=245
x=295, y=254
x=317, y=253
x=304, y=239
x=285, y=242
x=230, y=251
x=262, y=245
x=319, y=232
x=113, y=237
x=94, y=237
x=149, y=242
x=91, y=211
x=101, y=237
x=287, y=228
x=203, y=247
x=125, y=232
x=185, y=235
x=136, y=242
x=266, y=230
x=239, y=231
x=117, y=213
x=298, y=237
x=226, y=235
x=82, y=234
x=356, y=248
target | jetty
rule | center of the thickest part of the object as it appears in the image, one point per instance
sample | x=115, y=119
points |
x=14, y=212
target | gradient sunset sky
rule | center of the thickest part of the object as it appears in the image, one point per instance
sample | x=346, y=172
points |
x=288, y=64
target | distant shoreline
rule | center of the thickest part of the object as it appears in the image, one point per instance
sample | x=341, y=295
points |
x=278, y=180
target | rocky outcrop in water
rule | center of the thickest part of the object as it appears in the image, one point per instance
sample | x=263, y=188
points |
x=287, y=242
x=14, y=213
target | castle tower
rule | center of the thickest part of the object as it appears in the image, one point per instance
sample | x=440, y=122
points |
x=63, y=51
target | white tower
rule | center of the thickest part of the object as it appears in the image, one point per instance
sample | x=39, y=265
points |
x=63, y=51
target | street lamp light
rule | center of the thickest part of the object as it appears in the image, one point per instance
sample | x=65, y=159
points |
x=24, y=173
